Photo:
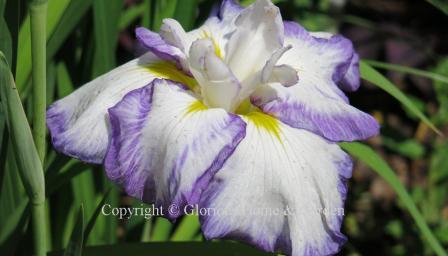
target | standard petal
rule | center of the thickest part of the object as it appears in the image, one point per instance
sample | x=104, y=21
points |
x=229, y=10
x=219, y=86
x=173, y=33
x=283, y=190
x=166, y=146
x=258, y=33
x=282, y=74
x=78, y=122
x=162, y=49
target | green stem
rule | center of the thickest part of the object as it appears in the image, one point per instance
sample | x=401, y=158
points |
x=38, y=14
x=39, y=228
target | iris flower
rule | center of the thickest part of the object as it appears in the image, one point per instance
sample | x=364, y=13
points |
x=243, y=113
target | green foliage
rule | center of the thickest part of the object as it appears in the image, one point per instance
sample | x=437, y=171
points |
x=74, y=247
x=374, y=161
x=440, y=4
x=376, y=78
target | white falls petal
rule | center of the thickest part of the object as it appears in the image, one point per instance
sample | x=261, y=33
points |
x=165, y=145
x=78, y=123
x=282, y=190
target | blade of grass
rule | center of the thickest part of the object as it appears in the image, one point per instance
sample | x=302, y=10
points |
x=407, y=70
x=13, y=222
x=74, y=247
x=146, y=232
x=187, y=229
x=73, y=13
x=64, y=82
x=12, y=19
x=131, y=14
x=106, y=15
x=70, y=171
x=28, y=161
x=55, y=11
x=440, y=4
x=163, y=9
x=162, y=230
x=83, y=192
x=374, y=161
x=186, y=13
x=5, y=35
x=370, y=74
x=95, y=215
x=147, y=14
x=51, y=84
x=12, y=190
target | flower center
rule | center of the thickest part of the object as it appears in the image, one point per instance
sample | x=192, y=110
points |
x=230, y=59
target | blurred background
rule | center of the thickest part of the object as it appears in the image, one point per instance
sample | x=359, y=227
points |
x=406, y=41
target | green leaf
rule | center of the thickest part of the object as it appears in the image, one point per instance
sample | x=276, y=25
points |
x=370, y=74
x=147, y=14
x=64, y=82
x=106, y=15
x=374, y=161
x=68, y=172
x=162, y=230
x=178, y=248
x=83, y=186
x=72, y=15
x=440, y=4
x=409, y=147
x=74, y=247
x=186, y=13
x=442, y=91
x=131, y=14
x=12, y=19
x=55, y=11
x=188, y=227
x=408, y=70
x=164, y=9
x=5, y=35
x=95, y=215
x=13, y=228
x=438, y=170
x=26, y=155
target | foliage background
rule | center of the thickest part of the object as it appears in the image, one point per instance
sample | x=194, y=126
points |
x=400, y=180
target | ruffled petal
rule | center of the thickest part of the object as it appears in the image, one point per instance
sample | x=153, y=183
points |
x=283, y=190
x=166, y=146
x=316, y=103
x=78, y=122
x=317, y=110
x=317, y=55
x=351, y=80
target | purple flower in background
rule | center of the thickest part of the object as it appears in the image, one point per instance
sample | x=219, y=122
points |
x=241, y=115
